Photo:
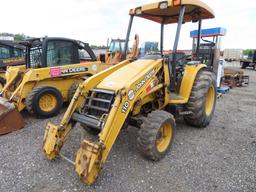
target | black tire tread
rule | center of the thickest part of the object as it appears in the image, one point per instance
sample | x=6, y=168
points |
x=30, y=97
x=148, y=132
x=196, y=102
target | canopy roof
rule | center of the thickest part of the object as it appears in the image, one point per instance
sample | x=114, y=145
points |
x=168, y=11
x=11, y=44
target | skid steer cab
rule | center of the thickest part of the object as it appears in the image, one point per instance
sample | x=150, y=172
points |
x=147, y=93
x=11, y=54
x=54, y=68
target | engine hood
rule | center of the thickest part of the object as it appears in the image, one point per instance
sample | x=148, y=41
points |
x=127, y=74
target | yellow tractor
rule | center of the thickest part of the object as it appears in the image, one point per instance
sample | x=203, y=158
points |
x=116, y=53
x=113, y=53
x=54, y=67
x=146, y=93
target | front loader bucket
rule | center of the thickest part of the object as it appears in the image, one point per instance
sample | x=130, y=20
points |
x=10, y=118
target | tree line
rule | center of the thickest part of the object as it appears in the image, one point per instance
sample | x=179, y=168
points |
x=248, y=52
x=17, y=37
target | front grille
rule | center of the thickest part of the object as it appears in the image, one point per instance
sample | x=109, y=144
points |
x=98, y=102
x=97, y=105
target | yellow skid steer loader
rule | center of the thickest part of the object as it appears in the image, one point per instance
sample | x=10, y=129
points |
x=146, y=93
x=54, y=68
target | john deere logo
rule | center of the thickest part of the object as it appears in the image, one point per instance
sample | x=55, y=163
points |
x=74, y=70
x=131, y=95
x=55, y=72
x=146, y=78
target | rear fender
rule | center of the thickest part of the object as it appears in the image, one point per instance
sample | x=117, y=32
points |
x=189, y=77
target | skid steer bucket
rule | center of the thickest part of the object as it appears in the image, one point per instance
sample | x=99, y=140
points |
x=10, y=118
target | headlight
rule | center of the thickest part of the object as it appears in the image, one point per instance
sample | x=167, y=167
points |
x=163, y=5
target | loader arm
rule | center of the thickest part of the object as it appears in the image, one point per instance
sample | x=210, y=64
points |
x=11, y=76
x=91, y=156
x=55, y=136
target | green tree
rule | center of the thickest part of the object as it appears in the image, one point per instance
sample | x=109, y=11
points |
x=247, y=51
x=19, y=37
x=250, y=54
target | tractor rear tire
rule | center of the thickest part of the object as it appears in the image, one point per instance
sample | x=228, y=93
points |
x=202, y=100
x=44, y=101
x=156, y=135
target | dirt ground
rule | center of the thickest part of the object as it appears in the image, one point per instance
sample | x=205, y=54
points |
x=221, y=157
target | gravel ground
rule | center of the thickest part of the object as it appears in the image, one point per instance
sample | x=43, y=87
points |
x=221, y=157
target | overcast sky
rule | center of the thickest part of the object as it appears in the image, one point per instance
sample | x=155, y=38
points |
x=95, y=21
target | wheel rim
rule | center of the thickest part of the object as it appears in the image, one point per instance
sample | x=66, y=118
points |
x=47, y=102
x=210, y=97
x=164, y=137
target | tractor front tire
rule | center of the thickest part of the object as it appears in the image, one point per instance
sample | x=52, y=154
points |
x=202, y=100
x=156, y=135
x=44, y=101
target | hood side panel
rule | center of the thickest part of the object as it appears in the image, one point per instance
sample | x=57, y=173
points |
x=127, y=74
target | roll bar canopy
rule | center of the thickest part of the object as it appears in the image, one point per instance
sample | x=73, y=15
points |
x=167, y=12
